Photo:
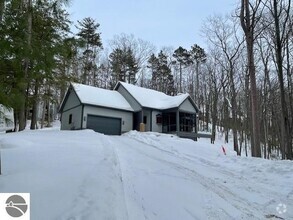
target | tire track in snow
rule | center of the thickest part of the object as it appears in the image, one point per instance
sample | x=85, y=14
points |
x=100, y=195
x=111, y=144
x=245, y=183
x=209, y=213
x=236, y=201
x=132, y=193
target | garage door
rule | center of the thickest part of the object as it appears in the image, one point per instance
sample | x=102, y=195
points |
x=105, y=125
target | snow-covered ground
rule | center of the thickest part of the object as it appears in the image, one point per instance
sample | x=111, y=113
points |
x=75, y=175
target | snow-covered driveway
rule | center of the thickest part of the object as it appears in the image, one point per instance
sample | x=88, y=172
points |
x=172, y=178
x=74, y=175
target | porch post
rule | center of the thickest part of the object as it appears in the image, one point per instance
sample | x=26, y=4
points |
x=197, y=121
x=151, y=121
x=177, y=121
x=141, y=124
x=141, y=116
x=196, y=128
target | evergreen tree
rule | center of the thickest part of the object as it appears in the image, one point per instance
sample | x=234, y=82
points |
x=183, y=58
x=153, y=65
x=66, y=59
x=30, y=38
x=198, y=56
x=164, y=72
x=90, y=41
x=13, y=56
x=132, y=66
x=123, y=65
x=162, y=79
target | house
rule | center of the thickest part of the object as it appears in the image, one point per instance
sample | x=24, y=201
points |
x=125, y=108
x=6, y=119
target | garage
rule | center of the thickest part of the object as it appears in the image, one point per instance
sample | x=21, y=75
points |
x=105, y=125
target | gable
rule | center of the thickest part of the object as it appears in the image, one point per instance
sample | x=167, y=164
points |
x=187, y=106
x=71, y=100
x=132, y=101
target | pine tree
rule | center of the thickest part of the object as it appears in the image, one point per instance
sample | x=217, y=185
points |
x=162, y=79
x=66, y=59
x=14, y=55
x=153, y=65
x=123, y=65
x=90, y=41
x=30, y=37
x=164, y=72
x=183, y=58
x=198, y=56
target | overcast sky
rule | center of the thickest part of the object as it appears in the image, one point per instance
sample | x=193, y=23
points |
x=161, y=22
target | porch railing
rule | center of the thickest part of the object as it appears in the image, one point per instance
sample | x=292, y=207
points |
x=169, y=128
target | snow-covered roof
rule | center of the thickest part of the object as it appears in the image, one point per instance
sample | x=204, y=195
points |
x=101, y=97
x=153, y=99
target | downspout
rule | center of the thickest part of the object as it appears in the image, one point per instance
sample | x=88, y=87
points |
x=177, y=121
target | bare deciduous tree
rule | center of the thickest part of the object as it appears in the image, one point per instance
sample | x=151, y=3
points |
x=249, y=18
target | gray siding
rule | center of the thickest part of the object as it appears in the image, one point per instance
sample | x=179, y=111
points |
x=76, y=119
x=186, y=106
x=72, y=101
x=126, y=117
x=156, y=127
x=133, y=103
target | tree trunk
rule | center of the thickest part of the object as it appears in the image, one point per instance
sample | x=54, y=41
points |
x=35, y=107
x=214, y=116
x=254, y=107
x=197, y=84
x=286, y=144
x=15, y=116
x=248, y=23
x=48, y=107
x=234, y=110
x=2, y=8
x=241, y=141
x=207, y=115
x=245, y=144
x=248, y=126
x=22, y=109
x=21, y=116
x=43, y=113
x=49, y=114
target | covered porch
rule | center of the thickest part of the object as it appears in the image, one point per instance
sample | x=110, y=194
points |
x=183, y=124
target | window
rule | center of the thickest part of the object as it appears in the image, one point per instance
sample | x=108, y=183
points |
x=159, y=119
x=144, y=119
x=70, y=118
